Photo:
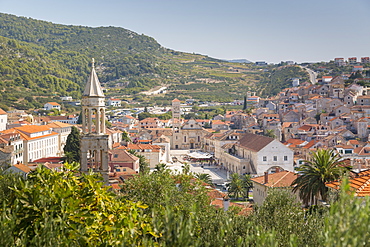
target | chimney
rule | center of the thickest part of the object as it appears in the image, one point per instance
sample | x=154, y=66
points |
x=266, y=177
x=277, y=169
x=226, y=203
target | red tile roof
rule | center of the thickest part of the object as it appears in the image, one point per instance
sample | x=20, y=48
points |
x=277, y=180
x=254, y=142
x=53, y=103
x=23, y=168
x=360, y=184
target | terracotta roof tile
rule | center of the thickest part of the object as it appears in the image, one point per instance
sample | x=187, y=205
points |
x=53, y=103
x=23, y=168
x=254, y=142
x=277, y=180
x=360, y=184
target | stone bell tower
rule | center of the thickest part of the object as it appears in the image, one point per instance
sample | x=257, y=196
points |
x=94, y=141
x=176, y=139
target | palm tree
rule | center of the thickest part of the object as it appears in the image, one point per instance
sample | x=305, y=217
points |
x=236, y=187
x=143, y=163
x=270, y=133
x=248, y=184
x=161, y=167
x=323, y=167
x=204, y=177
x=68, y=157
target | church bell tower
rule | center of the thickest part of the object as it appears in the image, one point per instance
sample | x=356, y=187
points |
x=94, y=141
x=176, y=141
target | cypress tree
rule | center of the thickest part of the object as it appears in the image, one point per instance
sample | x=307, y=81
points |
x=72, y=147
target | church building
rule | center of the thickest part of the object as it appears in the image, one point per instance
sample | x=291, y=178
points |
x=185, y=136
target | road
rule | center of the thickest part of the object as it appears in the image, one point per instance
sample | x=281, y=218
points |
x=312, y=74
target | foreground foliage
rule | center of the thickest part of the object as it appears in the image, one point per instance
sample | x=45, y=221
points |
x=163, y=209
x=60, y=208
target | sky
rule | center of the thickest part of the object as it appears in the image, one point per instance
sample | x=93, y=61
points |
x=256, y=30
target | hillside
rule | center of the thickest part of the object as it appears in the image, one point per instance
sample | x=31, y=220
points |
x=43, y=58
x=28, y=70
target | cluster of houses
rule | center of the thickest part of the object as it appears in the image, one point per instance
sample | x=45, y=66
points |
x=268, y=142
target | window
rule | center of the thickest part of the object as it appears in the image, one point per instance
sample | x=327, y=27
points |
x=264, y=158
x=275, y=158
x=184, y=138
x=285, y=158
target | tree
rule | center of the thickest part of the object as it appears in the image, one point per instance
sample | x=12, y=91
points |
x=64, y=208
x=161, y=167
x=204, y=177
x=324, y=166
x=248, y=111
x=144, y=115
x=245, y=103
x=236, y=187
x=356, y=75
x=248, y=184
x=72, y=147
x=143, y=163
x=79, y=119
x=270, y=133
x=272, y=217
x=68, y=157
x=190, y=115
x=125, y=137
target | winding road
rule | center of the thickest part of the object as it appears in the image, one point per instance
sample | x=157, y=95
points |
x=312, y=74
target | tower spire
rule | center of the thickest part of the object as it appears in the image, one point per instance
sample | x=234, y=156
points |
x=93, y=87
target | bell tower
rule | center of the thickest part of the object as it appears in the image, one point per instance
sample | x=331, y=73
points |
x=94, y=141
x=176, y=142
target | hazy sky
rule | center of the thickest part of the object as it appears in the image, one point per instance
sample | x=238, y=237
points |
x=257, y=30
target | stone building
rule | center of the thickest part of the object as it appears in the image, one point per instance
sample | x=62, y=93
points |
x=256, y=154
x=187, y=135
x=94, y=141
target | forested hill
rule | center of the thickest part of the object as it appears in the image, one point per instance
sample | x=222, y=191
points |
x=28, y=70
x=119, y=51
x=39, y=58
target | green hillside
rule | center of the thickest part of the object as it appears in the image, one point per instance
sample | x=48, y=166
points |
x=40, y=58
x=28, y=74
